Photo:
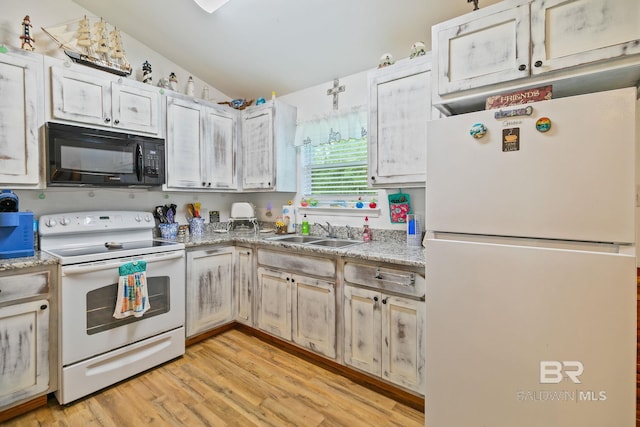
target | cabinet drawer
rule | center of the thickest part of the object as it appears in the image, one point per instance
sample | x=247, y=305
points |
x=400, y=281
x=315, y=266
x=19, y=286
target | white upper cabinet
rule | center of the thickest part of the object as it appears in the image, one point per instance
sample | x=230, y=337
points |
x=578, y=46
x=201, y=145
x=399, y=109
x=269, y=156
x=21, y=101
x=481, y=49
x=569, y=33
x=90, y=97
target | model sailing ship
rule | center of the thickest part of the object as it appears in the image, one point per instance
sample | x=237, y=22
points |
x=97, y=47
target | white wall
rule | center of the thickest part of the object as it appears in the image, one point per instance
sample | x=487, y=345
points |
x=310, y=102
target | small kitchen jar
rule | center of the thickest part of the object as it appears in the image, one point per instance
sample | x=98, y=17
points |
x=196, y=227
x=168, y=231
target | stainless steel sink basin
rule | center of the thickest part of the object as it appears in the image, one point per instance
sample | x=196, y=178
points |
x=294, y=239
x=315, y=241
x=335, y=243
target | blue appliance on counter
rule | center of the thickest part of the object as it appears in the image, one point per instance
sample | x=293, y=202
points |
x=16, y=228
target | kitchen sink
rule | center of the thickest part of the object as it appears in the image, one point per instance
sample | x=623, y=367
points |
x=294, y=239
x=335, y=243
x=315, y=241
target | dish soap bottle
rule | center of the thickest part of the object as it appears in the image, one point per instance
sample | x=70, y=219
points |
x=304, y=229
x=366, y=233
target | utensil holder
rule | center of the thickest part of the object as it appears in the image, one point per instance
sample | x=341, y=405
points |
x=196, y=227
x=168, y=231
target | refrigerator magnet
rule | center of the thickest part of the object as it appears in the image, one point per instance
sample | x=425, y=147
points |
x=543, y=124
x=511, y=139
x=478, y=130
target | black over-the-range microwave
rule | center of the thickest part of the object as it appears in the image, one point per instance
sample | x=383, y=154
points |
x=94, y=157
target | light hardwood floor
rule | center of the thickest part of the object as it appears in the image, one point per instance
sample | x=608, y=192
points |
x=233, y=379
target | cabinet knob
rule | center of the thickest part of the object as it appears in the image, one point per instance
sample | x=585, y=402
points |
x=384, y=301
x=204, y=184
x=522, y=67
x=293, y=280
x=116, y=121
x=44, y=307
x=208, y=184
x=538, y=64
x=248, y=253
x=107, y=119
x=373, y=178
x=375, y=299
x=288, y=279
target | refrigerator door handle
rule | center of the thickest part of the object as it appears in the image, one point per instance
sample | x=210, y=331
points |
x=598, y=247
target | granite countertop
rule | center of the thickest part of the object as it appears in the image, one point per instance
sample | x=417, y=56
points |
x=382, y=251
x=38, y=259
x=391, y=251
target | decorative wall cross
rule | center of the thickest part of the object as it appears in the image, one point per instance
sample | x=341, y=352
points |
x=335, y=91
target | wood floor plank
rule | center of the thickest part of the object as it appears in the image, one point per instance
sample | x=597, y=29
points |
x=232, y=379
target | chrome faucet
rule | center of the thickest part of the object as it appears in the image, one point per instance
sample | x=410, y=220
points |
x=349, y=232
x=329, y=230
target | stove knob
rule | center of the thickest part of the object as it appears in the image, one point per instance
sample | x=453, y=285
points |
x=147, y=218
x=138, y=219
x=65, y=221
x=51, y=222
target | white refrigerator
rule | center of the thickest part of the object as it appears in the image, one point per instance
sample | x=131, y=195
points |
x=530, y=265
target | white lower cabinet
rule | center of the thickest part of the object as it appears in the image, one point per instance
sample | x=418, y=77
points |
x=243, y=285
x=274, y=311
x=209, y=289
x=25, y=314
x=384, y=332
x=295, y=306
x=313, y=314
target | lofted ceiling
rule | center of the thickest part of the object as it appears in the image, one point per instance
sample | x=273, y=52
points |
x=249, y=48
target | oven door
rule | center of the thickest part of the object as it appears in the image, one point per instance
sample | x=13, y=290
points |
x=88, y=297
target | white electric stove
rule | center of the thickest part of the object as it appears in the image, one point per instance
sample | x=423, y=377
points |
x=96, y=349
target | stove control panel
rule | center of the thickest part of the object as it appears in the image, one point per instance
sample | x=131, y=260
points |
x=95, y=221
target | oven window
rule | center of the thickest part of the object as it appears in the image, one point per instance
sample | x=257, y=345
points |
x=101, y=304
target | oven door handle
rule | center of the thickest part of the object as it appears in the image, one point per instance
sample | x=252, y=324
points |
x=107, y=265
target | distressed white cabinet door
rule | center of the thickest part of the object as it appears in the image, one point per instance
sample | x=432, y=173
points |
x=220, y=148
x=274, y=311
x=135, y=107
x=184, y=135
x=399, y=109
x=474, y=52
x=80, y=97
x=24, y=345
x=403, y=352
x=362, y=329
x=20, y=98
x=243, y=289
x=258, y=150
x=313, y=315
x=568, y=33
x=209, y=289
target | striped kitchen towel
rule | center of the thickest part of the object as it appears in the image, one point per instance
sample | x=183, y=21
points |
x=133, y=297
